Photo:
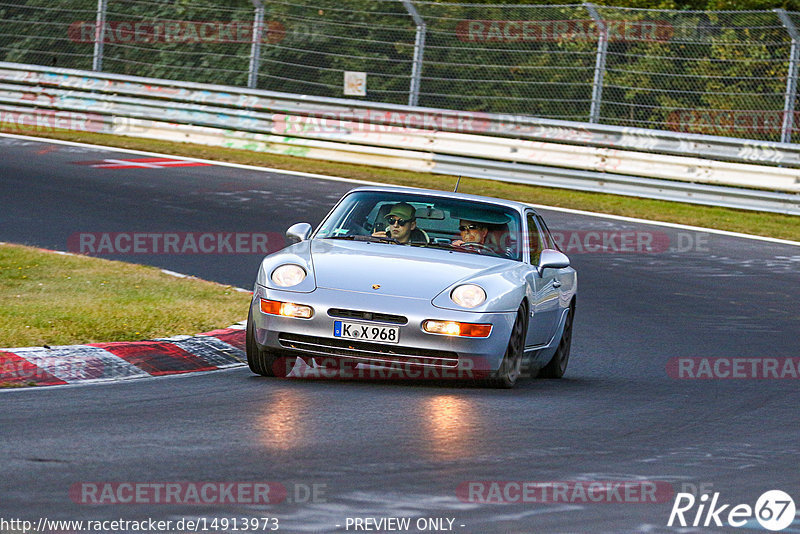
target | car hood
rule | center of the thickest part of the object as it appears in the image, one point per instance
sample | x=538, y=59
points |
x=399, y=270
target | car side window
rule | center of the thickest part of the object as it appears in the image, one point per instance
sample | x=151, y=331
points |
x=548, y=237
x=534, y=239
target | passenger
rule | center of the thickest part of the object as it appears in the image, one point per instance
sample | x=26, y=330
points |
x=401, y=222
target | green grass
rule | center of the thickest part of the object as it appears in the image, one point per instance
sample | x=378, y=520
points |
x=17, y=384
x=756, y=223
x=54, y=299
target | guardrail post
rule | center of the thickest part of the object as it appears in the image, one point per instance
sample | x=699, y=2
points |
x=255, y=48
x=99, y=36
x=599, y=63
x=791, y=78
x=419, y=50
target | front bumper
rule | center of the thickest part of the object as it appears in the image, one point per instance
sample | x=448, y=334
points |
x=416, y=348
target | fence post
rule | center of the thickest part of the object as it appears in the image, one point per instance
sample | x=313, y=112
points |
x=99, y=36
x=599, y=63
x=419, y=50
x=791, y=78
x=255, y=47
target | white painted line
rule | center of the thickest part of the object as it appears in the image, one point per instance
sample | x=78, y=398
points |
x=176, y=275
x=668, y=224
x=181, y=275
x=118, y=163
x=365, y=182
x=209, y=161
x=116, y=383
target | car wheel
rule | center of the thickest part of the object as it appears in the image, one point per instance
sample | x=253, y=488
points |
x=558, y=365
x=508, y=373
x=262, y=362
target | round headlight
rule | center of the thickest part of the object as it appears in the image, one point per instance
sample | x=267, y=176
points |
x=288, y=275
x=468, y=295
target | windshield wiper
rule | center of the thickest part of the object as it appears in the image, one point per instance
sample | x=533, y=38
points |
x=342, y=236
x=432, y=245
x=368, y=238
x=457, y=248
x=381, y=239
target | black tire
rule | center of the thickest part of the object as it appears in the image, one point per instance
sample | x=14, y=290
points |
x=510, y=368
x=262, y=362
x=558, y=365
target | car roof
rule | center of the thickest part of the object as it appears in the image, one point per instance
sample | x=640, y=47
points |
x=518, y=206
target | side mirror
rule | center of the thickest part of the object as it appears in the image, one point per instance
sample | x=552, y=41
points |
x=552, y=259
x=298, y=232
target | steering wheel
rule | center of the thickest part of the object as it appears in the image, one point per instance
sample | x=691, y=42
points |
x=479, y=246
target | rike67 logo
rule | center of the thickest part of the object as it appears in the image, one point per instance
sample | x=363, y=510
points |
x=774, y=510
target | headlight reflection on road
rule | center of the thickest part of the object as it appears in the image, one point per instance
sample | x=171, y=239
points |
x=280, y=425
x=450, y=423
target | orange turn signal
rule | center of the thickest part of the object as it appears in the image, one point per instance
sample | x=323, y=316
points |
x=287, y=309
x=454, y=328
x=272, y=307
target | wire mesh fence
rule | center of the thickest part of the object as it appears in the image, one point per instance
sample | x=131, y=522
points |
x=729, y=73
x=718, y=73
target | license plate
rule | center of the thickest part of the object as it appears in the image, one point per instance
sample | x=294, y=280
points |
x=364, y=332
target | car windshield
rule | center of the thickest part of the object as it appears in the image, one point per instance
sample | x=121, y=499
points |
x=426, y=221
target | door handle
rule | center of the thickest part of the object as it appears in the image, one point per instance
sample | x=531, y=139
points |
x=556, y=283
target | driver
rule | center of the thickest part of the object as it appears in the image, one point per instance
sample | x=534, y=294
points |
x=401, y=221
x=471, y=232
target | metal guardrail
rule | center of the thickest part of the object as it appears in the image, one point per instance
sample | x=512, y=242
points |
x=522, y=127
x=655, y=164
x=726, y=72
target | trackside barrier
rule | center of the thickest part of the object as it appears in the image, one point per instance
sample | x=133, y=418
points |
x=692, y=168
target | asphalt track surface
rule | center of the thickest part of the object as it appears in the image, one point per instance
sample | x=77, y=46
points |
x=377, y=450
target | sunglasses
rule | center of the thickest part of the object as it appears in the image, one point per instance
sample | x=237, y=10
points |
x=468, y=227
x=394, y=220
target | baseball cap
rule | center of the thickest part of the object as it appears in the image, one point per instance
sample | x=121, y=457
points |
x=403, y=211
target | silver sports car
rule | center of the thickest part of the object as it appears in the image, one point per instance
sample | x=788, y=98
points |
x=401, y=282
